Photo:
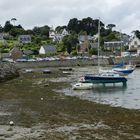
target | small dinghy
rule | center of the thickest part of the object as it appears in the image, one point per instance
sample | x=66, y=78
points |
x=82, y=86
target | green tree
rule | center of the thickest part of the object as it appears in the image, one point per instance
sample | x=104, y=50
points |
x=136, y=33
x=70, y=42
x=8, y=26
x=14, y=20
x=16, y=30
x=111, y=26
x=60, y=47
x=1, y=29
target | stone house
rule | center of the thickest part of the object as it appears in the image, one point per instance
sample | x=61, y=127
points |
x=85, y=42
x=15, y=53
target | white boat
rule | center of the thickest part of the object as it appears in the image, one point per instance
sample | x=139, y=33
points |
x=82, y=86
x=28, y=70
x=66, y=72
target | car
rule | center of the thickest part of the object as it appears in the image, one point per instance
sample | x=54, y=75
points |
x=21, y=60
x=8, y=60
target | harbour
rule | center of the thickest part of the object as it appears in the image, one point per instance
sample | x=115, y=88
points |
x=56, y=111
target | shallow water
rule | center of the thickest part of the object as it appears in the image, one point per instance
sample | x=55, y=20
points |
x=127, y=97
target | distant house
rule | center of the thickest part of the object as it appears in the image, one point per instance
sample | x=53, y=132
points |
x=113, y=45
x=47, y=49
x=125, y=38
x=57, y=36
x=24, y=39
x=83, y=38
x=15, y=53
x=134, y=44
x=84, y=42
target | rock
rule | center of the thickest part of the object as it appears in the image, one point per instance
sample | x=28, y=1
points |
x=46, y=85
x=7, y=71
x=11, y=123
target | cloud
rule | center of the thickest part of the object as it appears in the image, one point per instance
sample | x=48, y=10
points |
x=29, y=13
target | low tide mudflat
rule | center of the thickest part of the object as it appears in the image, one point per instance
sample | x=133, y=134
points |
x=35, y=102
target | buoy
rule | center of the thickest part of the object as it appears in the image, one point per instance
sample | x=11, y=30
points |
x=41, y=98
x=11, y=123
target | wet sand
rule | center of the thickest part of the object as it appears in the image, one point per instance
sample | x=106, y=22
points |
x=41, y=112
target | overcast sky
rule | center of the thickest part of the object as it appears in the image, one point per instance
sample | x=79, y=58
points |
x=125, y=14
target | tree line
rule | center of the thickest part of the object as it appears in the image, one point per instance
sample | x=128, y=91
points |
x=75, y=27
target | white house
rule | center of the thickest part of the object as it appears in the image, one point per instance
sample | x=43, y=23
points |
x=57, y=36
x=134, y=44
x=24, y=39
x=47, y=49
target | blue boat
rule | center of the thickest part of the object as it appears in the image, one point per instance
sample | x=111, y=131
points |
x=104, y=78
x=126, y=70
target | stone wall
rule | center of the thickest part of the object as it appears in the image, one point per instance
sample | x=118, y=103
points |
x=127, y=60
x=61, y=63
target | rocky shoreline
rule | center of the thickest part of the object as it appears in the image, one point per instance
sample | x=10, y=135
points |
x=8, y=71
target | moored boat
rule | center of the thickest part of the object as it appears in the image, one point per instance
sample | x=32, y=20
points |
x=82, y=86
x=105, y=78
x=126, y=70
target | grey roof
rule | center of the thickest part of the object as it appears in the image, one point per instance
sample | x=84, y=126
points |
x=83, y=38
x=49, y=48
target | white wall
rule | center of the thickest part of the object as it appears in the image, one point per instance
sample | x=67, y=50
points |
x=41, y=51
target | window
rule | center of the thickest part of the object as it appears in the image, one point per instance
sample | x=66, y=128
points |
x=135, y=42
x=132, y=46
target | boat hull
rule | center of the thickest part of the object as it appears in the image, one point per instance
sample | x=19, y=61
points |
x=82, y=86
x=126, y=72
x=100, y=79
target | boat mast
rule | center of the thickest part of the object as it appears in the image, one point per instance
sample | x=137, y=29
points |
x=98, y=43
x=121, y=41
